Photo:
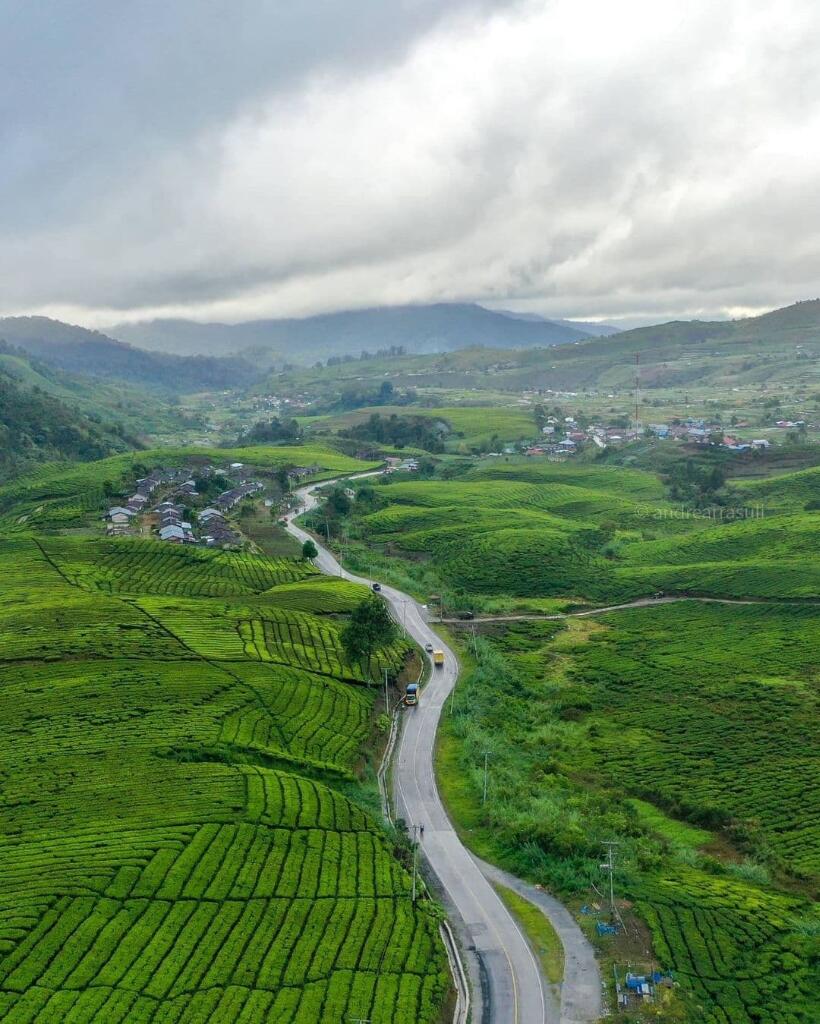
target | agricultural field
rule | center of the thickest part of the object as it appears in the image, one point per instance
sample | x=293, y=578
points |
x=687, y=731
x=466, y=424
x=694, y=754
x=188, y=833
x=593, y=534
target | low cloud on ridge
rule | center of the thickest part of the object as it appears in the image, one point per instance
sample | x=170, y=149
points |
x=572, y=158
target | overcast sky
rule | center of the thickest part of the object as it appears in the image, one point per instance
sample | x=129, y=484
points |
x=233, y=159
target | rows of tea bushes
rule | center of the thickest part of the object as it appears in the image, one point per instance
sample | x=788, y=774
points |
x=688, y=732
x=597, y=535
x=729, y=905
x=186, y=835
x=713, y=710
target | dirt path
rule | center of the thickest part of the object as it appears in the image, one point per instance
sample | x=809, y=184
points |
x=641, y=602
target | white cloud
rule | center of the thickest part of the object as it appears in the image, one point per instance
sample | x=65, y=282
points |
x=579, y=158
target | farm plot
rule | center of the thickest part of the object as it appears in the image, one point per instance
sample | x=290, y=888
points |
x=712, y=711
x=708, y=714
x=301, y=897
x=127, y=566
x=232, y=632
x=743, y=952
x=164, y=856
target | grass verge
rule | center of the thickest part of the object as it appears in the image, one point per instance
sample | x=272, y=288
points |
x=539, y=932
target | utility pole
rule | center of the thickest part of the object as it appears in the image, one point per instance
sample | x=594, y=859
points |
x=386, y=701
x=484, y=796
x=610, y=867
x=637, y=392
x=475, y=645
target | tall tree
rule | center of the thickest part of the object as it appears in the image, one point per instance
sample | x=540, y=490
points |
x=369, y=630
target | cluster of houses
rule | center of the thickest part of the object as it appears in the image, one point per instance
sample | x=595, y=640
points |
x=575, y=437
x=564, y=438
x=396, y=465
x=299, y=473
x=169, y=515
x=172, y=527
x=700, y=432
x=120, y=516
x=214, y=526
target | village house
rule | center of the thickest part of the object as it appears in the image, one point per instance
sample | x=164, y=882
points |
x=172, y=534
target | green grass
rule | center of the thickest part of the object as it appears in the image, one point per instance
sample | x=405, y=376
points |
x=541, y=935
x=186, y=765
x=676, y=832
x=468, y=425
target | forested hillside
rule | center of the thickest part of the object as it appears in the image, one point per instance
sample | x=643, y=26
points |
x=78, y=350
x=36, y=427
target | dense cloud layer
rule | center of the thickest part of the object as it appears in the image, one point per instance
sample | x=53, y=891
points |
x=233, y=160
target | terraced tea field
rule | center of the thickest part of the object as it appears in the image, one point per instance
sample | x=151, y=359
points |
x=186, y=834
x=597, y=535
x=687, y=732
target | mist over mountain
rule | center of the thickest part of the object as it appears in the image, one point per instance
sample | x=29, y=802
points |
x=591, y=328
x=443, y=327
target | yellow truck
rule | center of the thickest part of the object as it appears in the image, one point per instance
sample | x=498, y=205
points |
x=438, y=658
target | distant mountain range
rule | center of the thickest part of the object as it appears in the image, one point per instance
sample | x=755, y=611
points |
x=233, y=356
x=779, y=348
x=590, y=328
x=443, y=327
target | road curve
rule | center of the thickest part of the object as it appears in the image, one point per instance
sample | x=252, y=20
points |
x=510, y=980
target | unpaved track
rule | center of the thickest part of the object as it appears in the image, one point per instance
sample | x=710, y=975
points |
x=641, y=602
x=508, y=986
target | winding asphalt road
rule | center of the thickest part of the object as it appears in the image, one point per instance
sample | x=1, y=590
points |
x=501, y=964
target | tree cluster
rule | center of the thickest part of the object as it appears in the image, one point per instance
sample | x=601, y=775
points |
x=399, y=431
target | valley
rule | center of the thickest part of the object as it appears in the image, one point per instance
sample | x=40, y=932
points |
x=629, y=610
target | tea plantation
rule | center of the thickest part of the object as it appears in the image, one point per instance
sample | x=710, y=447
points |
x=186, y=834
x=599, y=534
x=688, y=732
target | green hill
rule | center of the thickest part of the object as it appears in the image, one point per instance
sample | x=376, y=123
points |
x=36, y=426
x=598, y=534
x=190, y=824
x=77, y=350
x=781, y=347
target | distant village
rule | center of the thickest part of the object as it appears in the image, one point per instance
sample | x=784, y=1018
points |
x=562, y=438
